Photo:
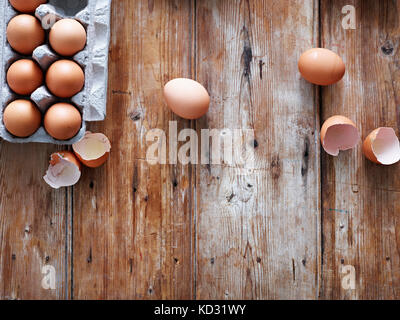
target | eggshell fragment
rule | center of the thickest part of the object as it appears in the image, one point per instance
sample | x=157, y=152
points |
x=321, y=66
x=64, y=170
x=93, y=150
x=339, y=133
x=382, y=146
x=187, y=98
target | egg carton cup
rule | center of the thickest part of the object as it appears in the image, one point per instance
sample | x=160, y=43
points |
x=92, y=100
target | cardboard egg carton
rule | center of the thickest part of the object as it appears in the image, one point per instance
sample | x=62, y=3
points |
x=91, y=101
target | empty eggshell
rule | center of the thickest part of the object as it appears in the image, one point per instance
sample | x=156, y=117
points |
x=93, y=150
x=382, y=146
x=64, y=170
x=339, y=133
x=187, y=98
x=321, y=66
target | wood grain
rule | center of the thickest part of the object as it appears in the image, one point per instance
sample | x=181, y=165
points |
x=257, y=233
x=133, y=220
x=283, y=230
x=33, y=225
x=361, y=200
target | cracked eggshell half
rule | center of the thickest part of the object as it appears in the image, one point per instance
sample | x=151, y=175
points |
x=93, y=150
x=64, y=170
x=339, y=133
x=382, y=146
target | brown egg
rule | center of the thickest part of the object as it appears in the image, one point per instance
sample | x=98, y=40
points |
x=62, y=121
x=26, y=6
x=25, y=33
x=321, y=66
x=67, y=37
x=65, y=78
x=24, y=76
x=22, y=118
x=187, y=98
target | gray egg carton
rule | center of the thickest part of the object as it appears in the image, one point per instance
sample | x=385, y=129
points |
x=92, y=100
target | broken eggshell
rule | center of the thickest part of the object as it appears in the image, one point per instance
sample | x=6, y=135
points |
x=339, y=133
x=382, y=146
x=93, y=150
x=64, y=170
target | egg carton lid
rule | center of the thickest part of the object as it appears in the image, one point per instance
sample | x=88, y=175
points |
x=92, y=100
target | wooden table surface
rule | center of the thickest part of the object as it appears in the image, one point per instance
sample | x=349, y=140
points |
x=131, y=230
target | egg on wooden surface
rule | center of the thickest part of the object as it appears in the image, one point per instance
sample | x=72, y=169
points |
x=22, y=118
x=65, y=78
x=67, y=37
x=25, y=33
x=24, y=76
x=62, y=121
x=321, y=66
x=187, y=98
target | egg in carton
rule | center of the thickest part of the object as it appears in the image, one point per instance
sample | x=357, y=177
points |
x=94, y=15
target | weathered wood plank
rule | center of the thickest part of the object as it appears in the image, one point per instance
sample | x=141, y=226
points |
x=133, y=220
x=32, y=224
x=361, y=202
x=257, y=234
